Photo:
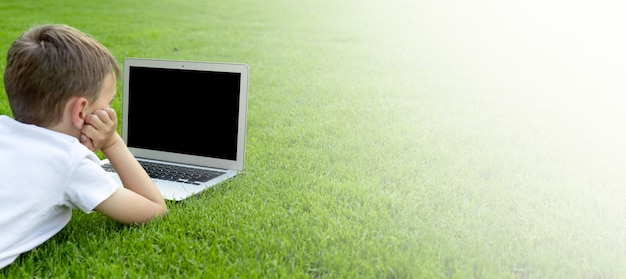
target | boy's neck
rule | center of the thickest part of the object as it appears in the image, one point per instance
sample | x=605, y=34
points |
x=66, y=125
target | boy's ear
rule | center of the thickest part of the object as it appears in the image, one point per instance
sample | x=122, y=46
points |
x=78, y=112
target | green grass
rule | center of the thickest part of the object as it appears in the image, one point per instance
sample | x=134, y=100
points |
x=384, y=140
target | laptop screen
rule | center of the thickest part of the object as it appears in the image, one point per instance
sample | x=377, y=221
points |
x=194, y=112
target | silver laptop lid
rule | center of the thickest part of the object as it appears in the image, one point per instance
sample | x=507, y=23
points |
x=186, y=112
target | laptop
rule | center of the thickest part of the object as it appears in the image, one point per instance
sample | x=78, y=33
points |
x=185, y=122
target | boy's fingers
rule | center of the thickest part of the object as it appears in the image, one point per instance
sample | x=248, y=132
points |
x=102, y=115
x=111, y=113
x=93, y=121
x=89, y=131
x=106, y=113
x=86, y=141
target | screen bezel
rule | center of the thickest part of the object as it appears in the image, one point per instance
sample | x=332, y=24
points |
x=242, y=69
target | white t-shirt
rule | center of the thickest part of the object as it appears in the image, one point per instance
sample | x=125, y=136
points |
x=44, y=174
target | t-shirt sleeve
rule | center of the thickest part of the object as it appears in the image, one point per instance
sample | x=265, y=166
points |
x=88, y=186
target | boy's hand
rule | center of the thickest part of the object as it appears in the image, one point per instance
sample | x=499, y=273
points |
x=99, y=131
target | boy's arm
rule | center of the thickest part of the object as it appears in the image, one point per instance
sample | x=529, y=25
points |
x=139, y=200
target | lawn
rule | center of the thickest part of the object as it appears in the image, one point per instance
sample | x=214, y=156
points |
x=385, y=139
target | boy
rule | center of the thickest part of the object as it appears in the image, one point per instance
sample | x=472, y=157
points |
x=60, y=83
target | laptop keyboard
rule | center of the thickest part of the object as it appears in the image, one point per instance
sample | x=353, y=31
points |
x=176, y=173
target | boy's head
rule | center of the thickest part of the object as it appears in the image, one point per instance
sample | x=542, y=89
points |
x=50, y=64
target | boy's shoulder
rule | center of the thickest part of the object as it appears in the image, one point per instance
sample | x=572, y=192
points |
x=19, y=129
x=32, y=141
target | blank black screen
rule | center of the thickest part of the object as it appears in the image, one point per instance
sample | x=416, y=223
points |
x=184, y=111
